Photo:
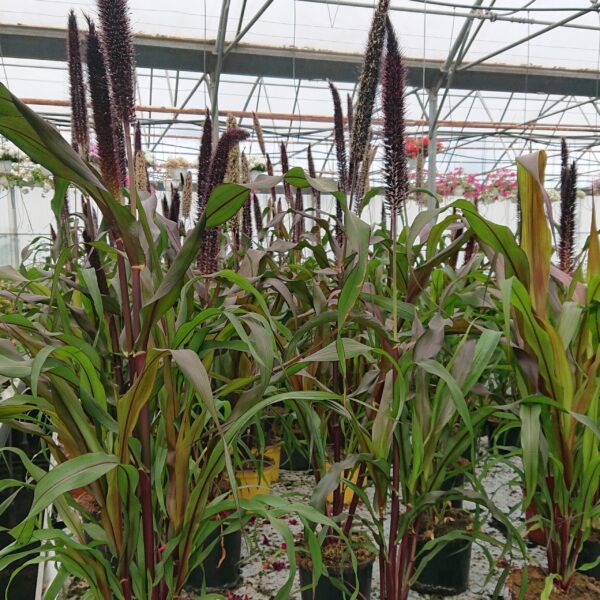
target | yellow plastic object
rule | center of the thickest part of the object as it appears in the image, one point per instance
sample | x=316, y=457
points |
x=250, y=484
x=273, y=453
x=347, y=490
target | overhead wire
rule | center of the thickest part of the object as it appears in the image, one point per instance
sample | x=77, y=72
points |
x=500, y=8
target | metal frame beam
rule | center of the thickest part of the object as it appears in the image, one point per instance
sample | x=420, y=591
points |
x=485, y=14
x=529, y=37
x=188, y=55
x=218, y=67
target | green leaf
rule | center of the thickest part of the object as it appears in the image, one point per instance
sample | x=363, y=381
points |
x=38, y=363
x=484, y=350
x=75, y=473
x=535, y=232
x=131, y=404
x=500, y=239
x=44, y=145
x=330, y=482
x=437, y=369
x=530, y=443
x=358, y=235
x=385, y=420
x=549, y=586
x=225, y=201
x=352, y=348
x=58, y=200
x=372, y=193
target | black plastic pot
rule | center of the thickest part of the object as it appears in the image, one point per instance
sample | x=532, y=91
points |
x=509, y=438
x=458, y=481
x=447, y=573
x=326, y=590
x=217, y=575
x=589, y=554
x=24, y=583
x=295, y=458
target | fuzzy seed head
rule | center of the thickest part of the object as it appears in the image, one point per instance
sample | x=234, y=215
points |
x=259, y=134
x=118, y=40
x=79, y=112
x=141, y=174
x=368, y=81
x=108, y=148
x=395, y=162
x=186, y=196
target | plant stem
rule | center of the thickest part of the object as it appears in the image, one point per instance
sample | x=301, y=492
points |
x=124, y=290
x=136, y=292
x=145, y=486
x=394, y=235
x=394, y=518
x=131, y=167
x=354, y=503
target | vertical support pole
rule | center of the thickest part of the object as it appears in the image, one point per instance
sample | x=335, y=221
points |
x=432, y=148
x=12, y=227
x=219, y=51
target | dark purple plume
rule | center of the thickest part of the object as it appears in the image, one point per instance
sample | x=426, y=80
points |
x=137, y=145
x=175, y=207
x=395, y=163
x=209, y=245
x=220, y=159
x=165, y=206
x=368, y=81
x=285, y=167
x=204, y=163
x=122, y=152
x=79, y=114
x=209, y=251
x=103, y=113
x=299, y=227
x=568, y=211
x=118, y=40
x=340, y=139
x=350, y=116
x=271, y=172
x=313, y=173
x=258, y=221
x=247, y=220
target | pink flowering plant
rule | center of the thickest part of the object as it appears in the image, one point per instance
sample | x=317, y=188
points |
x=498, y=185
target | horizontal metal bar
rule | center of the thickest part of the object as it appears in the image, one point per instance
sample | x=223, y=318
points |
x=284, y=62
x=492, y=125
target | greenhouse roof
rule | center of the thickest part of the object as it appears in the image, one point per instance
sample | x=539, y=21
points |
x=510, y=75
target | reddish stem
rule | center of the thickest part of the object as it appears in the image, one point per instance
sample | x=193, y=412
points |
x=124, y=289
x=395, y=508
x=145, y=492
x=354, y=503
x=136, y=290
x=145, y=487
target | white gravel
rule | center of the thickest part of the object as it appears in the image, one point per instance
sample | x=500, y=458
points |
x=261, y=581
x=264, y=562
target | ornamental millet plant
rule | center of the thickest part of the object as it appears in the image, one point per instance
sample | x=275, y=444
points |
x=552, y=322
x=561, y=398
x=100, y=393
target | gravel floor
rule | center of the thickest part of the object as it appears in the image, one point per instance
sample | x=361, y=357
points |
x=265, y=566
x=264, y=563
